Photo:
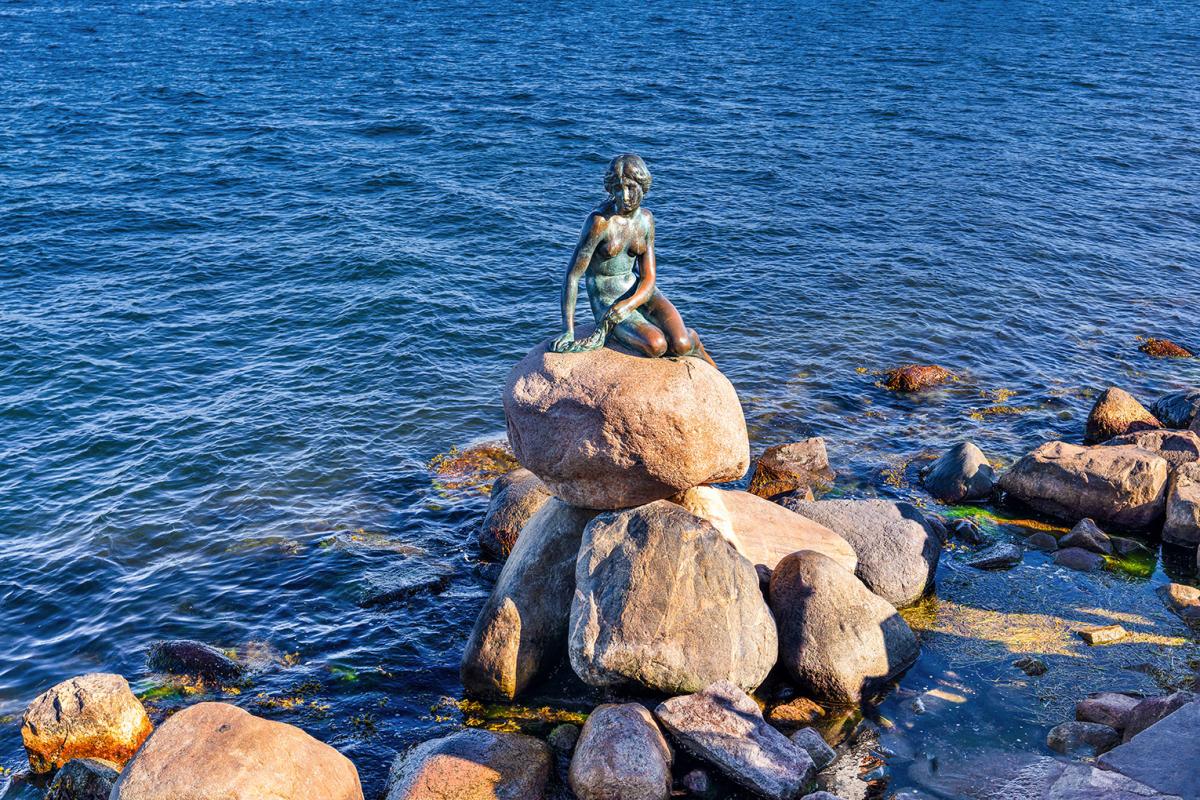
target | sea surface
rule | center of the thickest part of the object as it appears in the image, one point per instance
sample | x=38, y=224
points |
x=261, y=262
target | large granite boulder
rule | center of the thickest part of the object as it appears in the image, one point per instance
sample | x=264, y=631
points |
x=723, y=726
x=473, y=764
x=217, y=751
x=897, y=549
x=1178, y=409
x=1121, y=486
x=609, y=430
x=621, y=755
x=762, y=531
x=1177, y=447
x=837, y=639
x=83, y=779
x=522, y=628
x=516, y=497
x=1182, y=525
x=664, y=602
x=961, y=474
x=1163, y=756
x=1115, y=413
x=89, y=716
x=788, y=467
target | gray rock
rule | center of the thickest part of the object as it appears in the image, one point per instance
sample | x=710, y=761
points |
x=188, y=657
x=1175, y=447
x=897, y=549
x=410, y=578
x=1043, y=541
x=83, y=779
x=836, y=638
x=1082, y=738
x=522, y=629
x=1164, y=755
x=968, y=530
x=790, y=467
x=961, y=474
x=1124, y=547
x=697, y=783
x=1106, y=708
x=1182, y=525
x=563, y=737
x=621, y=755
x=663, y=601
x=516, y=497
x=1084, y=782
x=820, y=796
x=723, y=726
x=1001, y=556
x=1078, y=559
x=1178, y=409
x=473, y=764
x=814, y=744
x=1087, y=535
x=1153, y=709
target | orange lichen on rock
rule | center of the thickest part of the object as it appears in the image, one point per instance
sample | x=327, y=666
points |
x=1163, y=348
x=90, y=716
x=915, y=377
x=474, y=468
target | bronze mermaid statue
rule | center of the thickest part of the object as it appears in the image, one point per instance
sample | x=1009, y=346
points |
x=615, y=256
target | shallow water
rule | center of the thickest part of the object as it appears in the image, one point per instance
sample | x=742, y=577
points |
x=261, y=261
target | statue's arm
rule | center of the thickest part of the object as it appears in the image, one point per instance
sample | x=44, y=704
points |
x=589, y=239
x=644, y=289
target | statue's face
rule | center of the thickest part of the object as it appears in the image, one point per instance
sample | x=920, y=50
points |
x=628, y=195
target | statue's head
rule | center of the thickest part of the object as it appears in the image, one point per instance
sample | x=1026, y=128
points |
x=627, y=181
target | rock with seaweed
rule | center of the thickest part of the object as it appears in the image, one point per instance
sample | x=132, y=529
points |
x=915, y=377
x=1163, y=348
x=83, y=779
x=189, y=657
x=790, y=467
x=961, y=474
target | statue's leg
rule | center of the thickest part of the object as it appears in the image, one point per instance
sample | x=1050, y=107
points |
x=681, y=340
x=641, y=337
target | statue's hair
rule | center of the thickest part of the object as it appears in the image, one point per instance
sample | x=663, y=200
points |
x=636, y=167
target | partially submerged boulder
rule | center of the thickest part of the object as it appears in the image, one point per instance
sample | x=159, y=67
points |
x=1082, y=738
x=1176, y=447
x=915, y=377
x=837, y=639
x=788, y=467
x=1121, y=486
x=83, y=779
x=1178, y=409
x=472, y=764
x=897, y=549
x=1078, y=559
x=1182, y=524
x=1115, y=413
x=516, y=497
x=621, y=754
x=215, y=751
x=522, y=629
x=1087, y=534
x=663, y=601
x=189, y=657
x=1005, y=555
x=723, y=726
x=1164, y=348
x=961, y=474
x=606, y=429
x=1106, y=708
x=89, y=716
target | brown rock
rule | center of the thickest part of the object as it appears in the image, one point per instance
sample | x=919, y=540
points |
x=1117, y=413
x=1177, y=447
x=1182, y=525
x=1106, y=708
x=1183, y=600
x=516, y=497
x=621, y=755
x=1164, y=348
x=762, y=531
x=1082, y=738
x=1153, y=709
x=788, y=467
x=90, y=716
x=915, y=377
x=1102, y=634
x=799, y=712
x=1120, y=486
x=609, y=430
x=216, y=751
x=472, y=764
x=1077, y=558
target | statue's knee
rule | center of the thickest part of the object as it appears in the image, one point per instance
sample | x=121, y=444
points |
x=685, y=344
x=656, y=345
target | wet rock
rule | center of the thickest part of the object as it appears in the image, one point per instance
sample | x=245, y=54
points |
x=1088, y=536
x=915, y=377
x=1164, y=755
x=1153, y=709
x=621, y=755
x=1084, y=782
x=1082, y=738
x=516, y=497
x=89, y=716
x=1178, y=409
x=836, y=638
x=814, y=744
x=1122, y=486
x=897, y=549
x=564, y=737
x=1106, y=708
x=609, y=430
x=83, y=779
x=796, y=713
x=723, y=726
x=969, y=531
x=1116, y=413
x=1124, y=547
x=473, y=764
x=522, y=629
x=1042, y=541
x=1164, y=348
x=410, y=578
x=1077, y=558
x=938, y=525
x=1031, y=666
x=1175, y=447
x=788, y=467
x=1183, y=600
x=1102, y=634
x=664, y=602
x=961, y=474
x=762, y=531
x=213, y=751
x=1182, y=523
x=697, y=783
x=820, y=796
x=188, y=657
x=1001, y=556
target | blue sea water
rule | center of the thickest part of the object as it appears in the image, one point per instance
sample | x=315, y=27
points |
x=261, y=261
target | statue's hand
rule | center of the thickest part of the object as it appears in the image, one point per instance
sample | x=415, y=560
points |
x=563, y=343
x=593, y=342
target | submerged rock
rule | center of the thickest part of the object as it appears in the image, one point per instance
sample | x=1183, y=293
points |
x=621, y=754
x=408, y=579
x=1042, y=541
x=1001, y=556
x=961, y=474
x=897, y=549
x=723, y=726
x=664, y=602
x=837, y=639
x=1182, y=523
x=83, y=779
x=968, y=530
x=522, y=629
x=1078, y=559
x=516, y=497
x=189, y=657
x=795, y=713
x=1164, y=348
x=607, y=430
x=1082, y=738
x=1175, y=447
x=1164, y=755
x=473, y=764
x=1122, y=486
x=1087, y=535
x=1031, y=666
x=788, y=467
x=89, y=716
x=915, y=377
x=213, y=751
x=1178, y=409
